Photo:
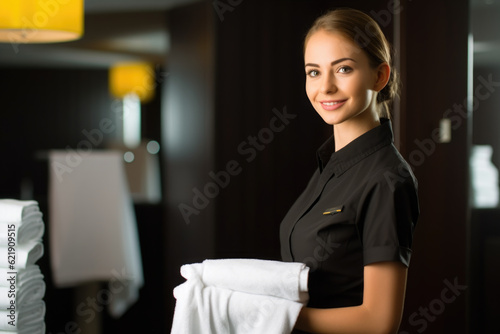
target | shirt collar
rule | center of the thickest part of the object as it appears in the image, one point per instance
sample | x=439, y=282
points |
x=356, y=150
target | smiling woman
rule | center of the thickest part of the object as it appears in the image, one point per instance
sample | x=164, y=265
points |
x=351, y=225
x=341, y=83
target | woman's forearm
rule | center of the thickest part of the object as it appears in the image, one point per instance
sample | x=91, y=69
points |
x=355, y=319
x=381, y=311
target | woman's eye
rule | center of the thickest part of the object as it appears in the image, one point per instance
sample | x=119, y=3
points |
x=312, y=73
x=344, y=69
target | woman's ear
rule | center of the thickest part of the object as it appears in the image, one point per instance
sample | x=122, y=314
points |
x=383, y=74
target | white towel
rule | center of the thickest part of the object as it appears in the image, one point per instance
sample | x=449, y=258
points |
x=12, y=210
x=31, y=228
x=24, y=256
x=26, y=316
x=93, y=228
x=32, y=329
x=26, y=293
x=271, y=278
x=22, y=276
x=222, y=309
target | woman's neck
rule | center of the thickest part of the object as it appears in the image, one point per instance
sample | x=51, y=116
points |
x=347, y=131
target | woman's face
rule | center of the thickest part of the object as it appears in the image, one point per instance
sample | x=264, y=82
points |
x=340, y=84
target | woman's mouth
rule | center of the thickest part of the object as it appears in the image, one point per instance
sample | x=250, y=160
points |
x=332, y=105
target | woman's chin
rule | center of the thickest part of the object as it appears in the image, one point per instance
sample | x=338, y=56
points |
x=331, y=120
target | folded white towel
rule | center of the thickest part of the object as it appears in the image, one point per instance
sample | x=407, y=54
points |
x=222, y=309
x=12, y=210
x=32, y=329
x=31, y=290
x=25, y=316
x=23, y=276
x=25, y=293
x=24, y=256
x=29, y=229
x=271, y=278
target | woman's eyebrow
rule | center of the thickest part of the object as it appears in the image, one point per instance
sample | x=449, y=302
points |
x=332, y=63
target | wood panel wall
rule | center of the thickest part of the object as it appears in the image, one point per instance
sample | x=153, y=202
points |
x=435, y=81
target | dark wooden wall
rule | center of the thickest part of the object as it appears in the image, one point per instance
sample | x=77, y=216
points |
x=187, y=139
x=435, y=58
x=43, y=109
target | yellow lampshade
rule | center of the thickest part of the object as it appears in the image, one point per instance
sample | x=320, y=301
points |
x=41, y=21
x=132, y=78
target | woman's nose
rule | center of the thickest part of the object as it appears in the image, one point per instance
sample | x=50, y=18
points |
x=328, y=84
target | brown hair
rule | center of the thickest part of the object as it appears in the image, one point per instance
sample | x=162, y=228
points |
x=366, y=33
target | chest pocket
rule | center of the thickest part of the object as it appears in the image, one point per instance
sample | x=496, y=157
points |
x=337, y=231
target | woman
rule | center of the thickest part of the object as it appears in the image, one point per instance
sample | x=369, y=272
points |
x=353, y=224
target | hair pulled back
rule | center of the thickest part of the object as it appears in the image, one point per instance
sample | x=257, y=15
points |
x=366, y=33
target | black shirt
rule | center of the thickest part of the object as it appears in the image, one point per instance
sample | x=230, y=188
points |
x=360, y=207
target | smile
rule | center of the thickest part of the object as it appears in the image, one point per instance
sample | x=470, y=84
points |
x=332, y=105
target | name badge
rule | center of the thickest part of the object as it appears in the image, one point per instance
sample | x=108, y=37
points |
x=334, y=210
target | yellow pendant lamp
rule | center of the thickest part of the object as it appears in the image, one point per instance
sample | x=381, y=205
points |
x=132, y=78
x=41, y=21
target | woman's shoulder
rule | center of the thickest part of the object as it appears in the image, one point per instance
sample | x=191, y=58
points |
x=390, y=167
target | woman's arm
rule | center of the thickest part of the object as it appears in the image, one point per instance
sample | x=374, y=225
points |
x=381, y=311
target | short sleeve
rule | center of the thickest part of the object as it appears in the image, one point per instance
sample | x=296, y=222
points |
x=389, y=214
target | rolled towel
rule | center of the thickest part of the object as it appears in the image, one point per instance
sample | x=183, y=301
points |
x=26, y=316
x=25, y=255
x=271, y=278
x=32, y=329
x=23, y=276
x=29, y=229
x=25, y=293
x=31, y=291
x=204, y=309
x=12, y=210
x=240, y=296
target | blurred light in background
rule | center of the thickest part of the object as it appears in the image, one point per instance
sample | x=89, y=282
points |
x=129, y=157
x=153, y=147
x=132, y=78
x=134, y=83
x=25, y=21
x=131, y=120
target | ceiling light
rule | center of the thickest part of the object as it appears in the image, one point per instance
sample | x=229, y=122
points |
x=30, y=21
x=132, y=78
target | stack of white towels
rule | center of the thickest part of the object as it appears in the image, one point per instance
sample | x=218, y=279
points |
x=240, y=296
x=22, y=288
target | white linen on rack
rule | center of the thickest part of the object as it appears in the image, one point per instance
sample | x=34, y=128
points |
x=22, y=276
x=20, y=232
x=22, y=285
x=28, y=293
x=24, y=255
x=13, y=210
x=93, y=232
x=28, y=315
